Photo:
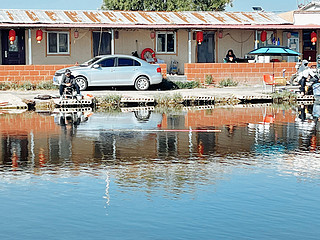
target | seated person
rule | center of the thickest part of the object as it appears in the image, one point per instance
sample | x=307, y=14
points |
x=308, y=75
x=68, y=80
x=230, y=57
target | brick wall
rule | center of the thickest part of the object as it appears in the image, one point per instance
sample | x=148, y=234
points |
x=163, y=69
x=32, y=73
x=235, y=116
x=246, y=73
x=17, y=124
x=38, y=73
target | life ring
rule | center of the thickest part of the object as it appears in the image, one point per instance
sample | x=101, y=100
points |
x=150, y=51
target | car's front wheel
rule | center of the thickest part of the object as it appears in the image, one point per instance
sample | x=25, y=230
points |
x=142, y=83
x=82, y=83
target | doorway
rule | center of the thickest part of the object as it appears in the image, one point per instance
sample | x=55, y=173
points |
x=101, y=43
x=206, y=49
x=13, y=54
x=309, y=50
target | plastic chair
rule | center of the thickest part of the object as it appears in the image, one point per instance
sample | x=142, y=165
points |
x=268, y=80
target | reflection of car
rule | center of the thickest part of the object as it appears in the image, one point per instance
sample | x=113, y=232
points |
x=124, y=121
x=114, y=70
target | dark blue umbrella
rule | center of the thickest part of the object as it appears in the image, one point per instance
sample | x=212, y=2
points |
x=274, y=51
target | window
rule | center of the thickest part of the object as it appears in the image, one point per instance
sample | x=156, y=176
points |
x=166, y=42
x=271, y=40
x=58, y=43
x=127, y=62
x=124, y=62
x=109, y=62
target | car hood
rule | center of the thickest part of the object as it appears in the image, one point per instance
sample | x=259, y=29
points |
x=72, y=69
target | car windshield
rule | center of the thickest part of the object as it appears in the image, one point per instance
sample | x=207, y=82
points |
x=91, y=61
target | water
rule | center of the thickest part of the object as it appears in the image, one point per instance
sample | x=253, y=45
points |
x=122, y=175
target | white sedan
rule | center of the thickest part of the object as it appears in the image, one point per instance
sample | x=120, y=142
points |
x=114, y=70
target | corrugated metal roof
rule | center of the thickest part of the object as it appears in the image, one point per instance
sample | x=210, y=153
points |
x=135, y=18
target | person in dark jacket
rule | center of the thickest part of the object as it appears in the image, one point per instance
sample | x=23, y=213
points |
x=230, y=57
x=68, y=80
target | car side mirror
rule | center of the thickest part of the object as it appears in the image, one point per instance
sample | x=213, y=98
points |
x=96, y=66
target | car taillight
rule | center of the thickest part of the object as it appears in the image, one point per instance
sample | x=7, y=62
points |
x=159, y=70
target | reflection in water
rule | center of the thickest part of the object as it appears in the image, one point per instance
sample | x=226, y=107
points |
x=260, y=172
x=83, y=138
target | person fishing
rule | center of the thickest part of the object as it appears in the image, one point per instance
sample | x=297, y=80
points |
x=68, y=80
x=306, y=74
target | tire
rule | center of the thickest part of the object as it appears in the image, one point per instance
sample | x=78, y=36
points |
x=142, y=83
x=82, y=83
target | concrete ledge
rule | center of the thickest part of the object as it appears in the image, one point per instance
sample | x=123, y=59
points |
x=9, y=101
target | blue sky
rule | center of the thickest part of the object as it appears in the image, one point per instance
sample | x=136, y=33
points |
x=239, y=5
x=267, y=5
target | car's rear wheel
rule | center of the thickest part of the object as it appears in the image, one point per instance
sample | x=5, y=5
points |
x=82, y=83
x=142, y=83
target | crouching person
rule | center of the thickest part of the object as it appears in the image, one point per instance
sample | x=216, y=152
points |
x=68, y=80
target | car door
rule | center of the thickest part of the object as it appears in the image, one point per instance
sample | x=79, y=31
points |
x=126, y=70
x=102, y=73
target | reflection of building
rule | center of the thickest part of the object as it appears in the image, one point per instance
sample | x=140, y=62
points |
x=24, y=134
x=109, y=136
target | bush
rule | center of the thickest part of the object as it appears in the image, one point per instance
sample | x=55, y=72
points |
x=209, y=79
x=188, y=84
x=8, y=86
x=26, y=86
x=228, y=83
x=46, y=85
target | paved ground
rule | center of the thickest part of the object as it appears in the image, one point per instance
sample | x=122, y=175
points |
x=257, y=90
x=12, y=96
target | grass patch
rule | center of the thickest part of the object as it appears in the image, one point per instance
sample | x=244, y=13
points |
x=169, y=100
x=284, y=96
x=109, y=101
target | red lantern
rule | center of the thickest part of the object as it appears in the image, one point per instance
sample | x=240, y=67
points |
x=12, y=36
x=313, y=38
x=199, y=37
x=263, y=36
x=152, y=34
x=220, y=34
x=39, y=35
x=76, y=33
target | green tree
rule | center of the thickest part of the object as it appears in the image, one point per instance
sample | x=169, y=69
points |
x=166, y=5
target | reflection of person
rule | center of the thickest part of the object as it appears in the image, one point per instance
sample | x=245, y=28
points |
x=70, y=119
x=230, y=57
x=68, y=80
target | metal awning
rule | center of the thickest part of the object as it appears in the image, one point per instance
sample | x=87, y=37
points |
x=137, y=19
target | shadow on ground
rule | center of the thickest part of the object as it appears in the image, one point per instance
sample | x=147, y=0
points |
x=165, y=85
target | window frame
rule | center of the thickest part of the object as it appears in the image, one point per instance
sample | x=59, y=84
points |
x=58, y=52
x=166, y=42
